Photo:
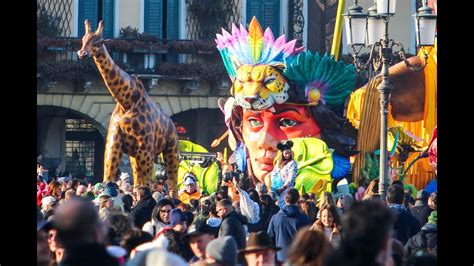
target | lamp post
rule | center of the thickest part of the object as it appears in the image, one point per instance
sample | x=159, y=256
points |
x=377, y=39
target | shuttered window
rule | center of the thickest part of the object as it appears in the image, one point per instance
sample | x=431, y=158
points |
x=154, y=17
x=94, y=11
x=267, y=12
x=108, y=18
x=88, y=9
x=172, y=20
x=160, y=14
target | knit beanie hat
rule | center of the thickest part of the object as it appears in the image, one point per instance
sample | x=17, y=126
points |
x=223, y=250
x=176, y=217
x=433, y=218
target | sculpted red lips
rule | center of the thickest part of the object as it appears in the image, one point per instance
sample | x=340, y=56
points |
x=266, y=164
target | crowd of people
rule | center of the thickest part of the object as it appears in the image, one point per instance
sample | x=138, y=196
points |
x=116, y=223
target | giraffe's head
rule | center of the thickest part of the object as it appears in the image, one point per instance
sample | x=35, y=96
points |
x=90, y=39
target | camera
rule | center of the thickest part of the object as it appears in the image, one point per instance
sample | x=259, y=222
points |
x=229, y=176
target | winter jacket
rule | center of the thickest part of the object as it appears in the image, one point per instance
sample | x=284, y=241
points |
x=426, y=240
x=406, y=225
x=233, y=225
x=153, y=226
x=88, y=255
x=142, y=211
x=421, y=212
x=283, y=227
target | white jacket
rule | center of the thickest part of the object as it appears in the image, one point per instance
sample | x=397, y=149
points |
x=157, y=225
x=248, y=207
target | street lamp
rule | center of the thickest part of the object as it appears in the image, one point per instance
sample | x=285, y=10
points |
x=381, y=51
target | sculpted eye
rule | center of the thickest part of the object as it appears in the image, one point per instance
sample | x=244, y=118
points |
x=288, y=123
x=255, y=122
x=269, y=80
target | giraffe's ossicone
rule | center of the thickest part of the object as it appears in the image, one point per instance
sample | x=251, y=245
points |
x=137, y=126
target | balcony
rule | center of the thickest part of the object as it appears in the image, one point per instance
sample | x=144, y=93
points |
x=148, y=58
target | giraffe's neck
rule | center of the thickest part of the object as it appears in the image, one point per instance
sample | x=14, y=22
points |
x=124, y=89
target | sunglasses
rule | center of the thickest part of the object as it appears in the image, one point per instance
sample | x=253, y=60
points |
x=165, y=211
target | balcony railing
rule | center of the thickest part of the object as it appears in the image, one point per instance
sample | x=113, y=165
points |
x=168, y=59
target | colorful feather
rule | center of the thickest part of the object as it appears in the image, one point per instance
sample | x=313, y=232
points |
x=255, y=39
x=254, y=47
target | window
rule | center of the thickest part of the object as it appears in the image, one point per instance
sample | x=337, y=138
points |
x=80, y=158
x=81, y=147
x=94, y=11
x=161, y=18
x=267, y=12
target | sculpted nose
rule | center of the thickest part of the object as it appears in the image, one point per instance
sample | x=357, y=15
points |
x=81, y=53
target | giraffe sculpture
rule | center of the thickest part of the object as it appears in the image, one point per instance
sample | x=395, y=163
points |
x=137, y=126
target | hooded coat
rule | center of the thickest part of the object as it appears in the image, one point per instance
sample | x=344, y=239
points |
x=283, y=227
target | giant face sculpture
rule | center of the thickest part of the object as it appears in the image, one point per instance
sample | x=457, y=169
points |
x=278, y=91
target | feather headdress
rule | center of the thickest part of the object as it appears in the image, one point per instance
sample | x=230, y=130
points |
x=321, y=77
x=254, y=47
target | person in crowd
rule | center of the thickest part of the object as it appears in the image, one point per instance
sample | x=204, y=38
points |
x=118, y=224
x=190, y=189
x=54, y=189
x=232, y=223
x=261, y=189
x=327, y=199
x=160, y=217
x=175, y=233
x=205, y=208
x=82, y=234
x=284, y=225
x=133, y=238
x=269, y=208
x=105, y=206
x=284, y=172
x=214, y=221
x=159, y=192
x=406, y=225
x=308, y=207
x=259, y=250
x=55, y=249
x=70, y=194
x=425, y=241
x=329, y=223
x=142, y=211
x=344, y=202
x=222, y=251
x=249, y=207
x=81, y=190
x=310, y=247
x=199, y=235
x=433, y=201
x=47, y=203
x=421, y=210
x=156, y=256
x=368, y=227
x=43, y=257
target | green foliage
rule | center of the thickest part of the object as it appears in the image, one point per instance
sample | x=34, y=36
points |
x=371, y=168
